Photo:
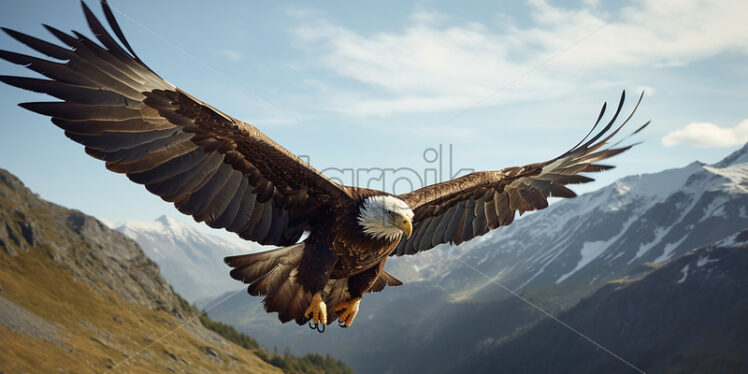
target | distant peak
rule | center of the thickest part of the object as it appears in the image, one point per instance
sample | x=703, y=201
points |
x=166, y=220
x=660, y=184
x=737, y=157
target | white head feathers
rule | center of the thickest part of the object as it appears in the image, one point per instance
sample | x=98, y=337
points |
x=380, y=216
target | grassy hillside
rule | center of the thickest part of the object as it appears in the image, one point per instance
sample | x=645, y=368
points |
x=76, y=297
x=95, y=331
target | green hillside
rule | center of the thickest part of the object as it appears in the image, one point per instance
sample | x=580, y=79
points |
x=77, y=297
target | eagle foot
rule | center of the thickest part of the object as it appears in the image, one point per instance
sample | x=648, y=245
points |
x=348, y=310
x=317, y=311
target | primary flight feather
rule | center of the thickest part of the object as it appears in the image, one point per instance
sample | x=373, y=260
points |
x=226, y=173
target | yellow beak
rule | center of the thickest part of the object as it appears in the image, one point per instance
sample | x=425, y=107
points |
x=407, y=226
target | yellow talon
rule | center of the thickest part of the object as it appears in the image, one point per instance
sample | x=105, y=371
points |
x=349, y=310
x=317, y=309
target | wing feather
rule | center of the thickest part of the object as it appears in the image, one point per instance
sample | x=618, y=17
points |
x=232, y=208
x=65, y=91
x=49, y=69
x=467, y=227
x=169, y=169
x=428, y=233
x=441, y=228
x=503, y=212
x=39, y=45
x=492, y=220
x=474, y=204
x=479, y=222
x=245, y=211
x=198, y=201
x=210, y=165
x=221, y=199
x=453, y=224
x=261, y=228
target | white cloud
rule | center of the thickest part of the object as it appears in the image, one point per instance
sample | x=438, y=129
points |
x=231, y=54
x=705, y=134
x=665, y=33
x=422, y=16
x=430, y=67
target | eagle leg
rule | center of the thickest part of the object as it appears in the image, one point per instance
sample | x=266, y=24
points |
x=317, y=311
x=348, y=310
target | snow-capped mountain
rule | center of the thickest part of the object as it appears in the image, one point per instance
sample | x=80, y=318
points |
x=608, y=234
x=190, y=260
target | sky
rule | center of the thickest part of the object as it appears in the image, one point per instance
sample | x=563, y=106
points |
x=396, y=85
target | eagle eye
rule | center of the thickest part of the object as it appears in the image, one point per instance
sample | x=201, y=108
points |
x=392, y=214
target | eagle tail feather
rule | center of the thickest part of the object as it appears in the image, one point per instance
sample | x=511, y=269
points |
x=273, y=274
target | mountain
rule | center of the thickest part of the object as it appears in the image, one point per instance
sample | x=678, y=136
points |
x=78, y=297
x=455, y=301
x=190, y=260
x=688, y=316
x=576, y=245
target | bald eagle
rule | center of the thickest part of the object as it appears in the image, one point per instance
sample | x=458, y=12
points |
x=228, y=174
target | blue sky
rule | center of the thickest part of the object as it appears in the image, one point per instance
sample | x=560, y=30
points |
x=378, y=83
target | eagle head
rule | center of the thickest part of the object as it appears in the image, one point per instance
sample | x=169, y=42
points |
x=385, y=217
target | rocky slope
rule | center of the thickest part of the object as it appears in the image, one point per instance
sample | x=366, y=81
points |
x=78, y=297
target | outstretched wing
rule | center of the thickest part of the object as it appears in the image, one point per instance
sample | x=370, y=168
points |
x=214, y=167
x=464, y=208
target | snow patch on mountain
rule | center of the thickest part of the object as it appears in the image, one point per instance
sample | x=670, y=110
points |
x=591, y=250
x=669, y=250
x=735, y=177
x=660, y=233
x=684, y=271
x=658, y=185
x=704, y=259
